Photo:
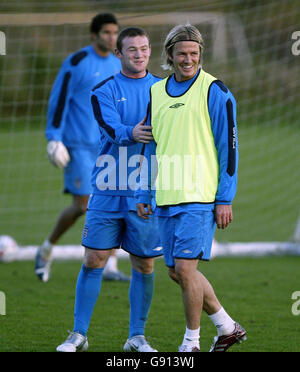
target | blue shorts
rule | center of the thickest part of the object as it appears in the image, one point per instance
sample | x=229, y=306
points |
x=78, y=172
x=187, y=235
x=135, y=235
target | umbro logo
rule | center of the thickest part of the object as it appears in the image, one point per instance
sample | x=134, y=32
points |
x=122, y=99
x=177, y=105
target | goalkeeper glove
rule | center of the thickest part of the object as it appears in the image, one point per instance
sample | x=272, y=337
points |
x=58, y=154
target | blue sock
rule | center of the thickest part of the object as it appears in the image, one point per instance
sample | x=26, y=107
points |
x=87, y=291
x=140, y=298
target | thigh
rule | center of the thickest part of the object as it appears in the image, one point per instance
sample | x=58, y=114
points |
x=194, y=233
x=167, y=236
x=141, y=237
x=102, y=233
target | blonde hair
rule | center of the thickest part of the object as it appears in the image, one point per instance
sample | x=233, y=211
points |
x=180, y=33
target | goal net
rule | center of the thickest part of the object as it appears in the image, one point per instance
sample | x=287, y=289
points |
x=247, y=44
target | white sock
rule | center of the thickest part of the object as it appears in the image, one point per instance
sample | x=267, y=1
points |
x=111, y=264
x=223, y=322
x=46, y=249
x=192, y=336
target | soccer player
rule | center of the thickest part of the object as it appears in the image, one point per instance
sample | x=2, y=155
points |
x=72, y=132
x=120, y=107
x=193, y=120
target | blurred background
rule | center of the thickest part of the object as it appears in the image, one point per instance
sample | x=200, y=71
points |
x=248, y=45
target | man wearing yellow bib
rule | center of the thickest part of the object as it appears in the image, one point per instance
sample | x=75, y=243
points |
x=192, y=165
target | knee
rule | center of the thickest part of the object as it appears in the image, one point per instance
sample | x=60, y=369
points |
x=79, y=209
x=80, y=206
x=143, y=265
x=94, y=259
x=182, y=273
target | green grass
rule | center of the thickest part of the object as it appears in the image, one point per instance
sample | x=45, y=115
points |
x=266, y=207
x=255, y=291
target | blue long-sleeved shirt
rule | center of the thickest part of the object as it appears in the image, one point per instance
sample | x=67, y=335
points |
x=119, y=103
x=70, y=116
x=222, y=111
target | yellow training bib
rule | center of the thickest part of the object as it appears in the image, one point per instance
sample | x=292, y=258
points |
x=188, y=169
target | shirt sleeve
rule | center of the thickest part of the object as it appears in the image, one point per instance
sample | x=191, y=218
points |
x=222, y=111
x=109, y=119
x=59, y=101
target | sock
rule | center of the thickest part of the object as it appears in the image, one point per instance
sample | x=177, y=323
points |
x=192, y=336
x=46, y=249
x=140, y=298
x=223, y=322
x=87, y=291
x=111, y=264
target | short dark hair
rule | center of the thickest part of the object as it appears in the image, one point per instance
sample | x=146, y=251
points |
x=130, y=32
x=101, y=19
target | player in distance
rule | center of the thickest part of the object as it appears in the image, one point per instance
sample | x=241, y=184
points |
x=193, y=115
x=120, y=107
x=72, y=131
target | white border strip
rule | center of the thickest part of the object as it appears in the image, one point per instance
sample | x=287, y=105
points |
x=255, y=249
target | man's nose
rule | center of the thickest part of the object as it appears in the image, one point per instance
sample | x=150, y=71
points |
x=138, y=54
x=188, y=59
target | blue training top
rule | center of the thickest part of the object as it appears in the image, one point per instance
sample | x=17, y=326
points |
x=119, y=103
x=219, y=94
x=70, y=117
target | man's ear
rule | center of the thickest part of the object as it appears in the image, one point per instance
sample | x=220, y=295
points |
x=170, y=56
x=93, y=36
x=118, y=53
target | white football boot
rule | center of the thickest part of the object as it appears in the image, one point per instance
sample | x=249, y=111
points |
x=75, y=342
x=138, y=344
x=42, y=266
x=185, y=348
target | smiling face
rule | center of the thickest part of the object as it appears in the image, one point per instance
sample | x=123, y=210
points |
x=185, y=57
x=134, y=56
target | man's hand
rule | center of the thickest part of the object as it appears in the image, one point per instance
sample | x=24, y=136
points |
x=58, y=154
x=142, y=212
x=223, y=215
x=142, y=133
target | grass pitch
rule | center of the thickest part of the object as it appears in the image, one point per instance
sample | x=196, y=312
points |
x=255, y=291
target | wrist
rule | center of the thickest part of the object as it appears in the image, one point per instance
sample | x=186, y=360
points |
x=222, y=202
x=144, y=199
x=130, y=133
